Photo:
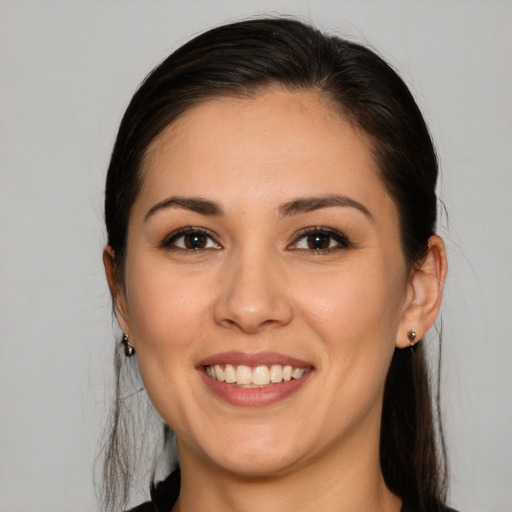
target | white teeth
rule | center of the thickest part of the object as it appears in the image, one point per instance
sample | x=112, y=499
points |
x=297, y=373
x=261, y=376
x=258, y=376
x=230, y=374
x=243, y=375
x=219, y=373
x=276, y=373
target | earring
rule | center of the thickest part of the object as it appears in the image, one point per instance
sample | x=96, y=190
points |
x=128, y=349
x=411, y=334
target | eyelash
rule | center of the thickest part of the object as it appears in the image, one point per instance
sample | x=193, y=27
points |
x=341, y=239
x=169, y=241
x=343, y=242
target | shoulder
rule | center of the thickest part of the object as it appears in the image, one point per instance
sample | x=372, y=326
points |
x=409, y=506
x=143, y=507
x=163, y=495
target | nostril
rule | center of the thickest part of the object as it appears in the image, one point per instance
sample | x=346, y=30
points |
x=253, y=322
x=252, y=296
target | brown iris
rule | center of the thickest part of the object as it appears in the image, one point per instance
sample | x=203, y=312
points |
x=195, y=241
x=318, y=241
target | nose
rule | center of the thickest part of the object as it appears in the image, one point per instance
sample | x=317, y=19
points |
x=253, y=295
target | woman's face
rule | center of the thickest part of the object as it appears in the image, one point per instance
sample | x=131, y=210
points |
x=263, y=243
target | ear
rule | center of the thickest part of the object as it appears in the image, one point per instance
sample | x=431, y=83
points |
x=116, y=289
x=424, y=293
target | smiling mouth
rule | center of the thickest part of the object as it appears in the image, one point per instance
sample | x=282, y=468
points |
x=254, y=377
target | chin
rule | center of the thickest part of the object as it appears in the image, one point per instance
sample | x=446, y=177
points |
x=255, y=452
x=257, y=464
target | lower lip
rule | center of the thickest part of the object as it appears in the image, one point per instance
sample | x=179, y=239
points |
x=255, y=397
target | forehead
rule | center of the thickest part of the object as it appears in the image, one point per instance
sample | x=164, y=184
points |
x=273, y=145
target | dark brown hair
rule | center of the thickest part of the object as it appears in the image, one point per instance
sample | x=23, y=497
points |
x=239, y=60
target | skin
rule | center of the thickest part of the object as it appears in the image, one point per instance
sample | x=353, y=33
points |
x=258, y=286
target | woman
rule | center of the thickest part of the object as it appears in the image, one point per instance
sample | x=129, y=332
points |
x=272, y=258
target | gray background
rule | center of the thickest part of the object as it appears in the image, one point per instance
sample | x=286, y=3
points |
x=67, y=71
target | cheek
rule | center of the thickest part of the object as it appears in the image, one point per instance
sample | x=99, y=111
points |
x=166, y=309
x=167, y=316
x=355, y=312
x=352, y=300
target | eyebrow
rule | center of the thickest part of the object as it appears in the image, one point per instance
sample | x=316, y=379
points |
x=195, y=204
x=309, y=204
x=294, y=207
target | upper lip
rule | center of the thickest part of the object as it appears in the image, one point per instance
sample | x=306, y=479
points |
x=254, y=359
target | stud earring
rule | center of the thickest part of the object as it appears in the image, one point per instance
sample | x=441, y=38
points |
x=411, y=335
x=128, y=349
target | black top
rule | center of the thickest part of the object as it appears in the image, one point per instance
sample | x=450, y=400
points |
x=165, y=494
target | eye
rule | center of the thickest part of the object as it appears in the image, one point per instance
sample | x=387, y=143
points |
x=190, y=239
x=320, y=240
